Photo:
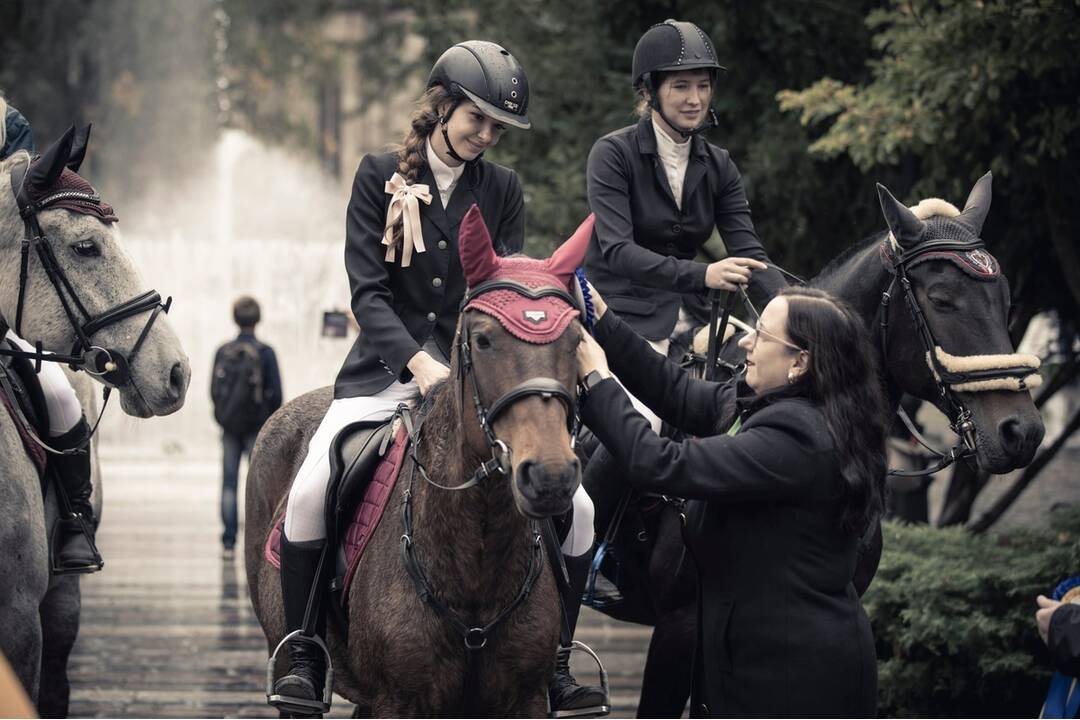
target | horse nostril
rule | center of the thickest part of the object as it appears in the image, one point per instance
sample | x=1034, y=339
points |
x=525, y=472
x=572, y=471
x=1010, y=431
x=177, y=382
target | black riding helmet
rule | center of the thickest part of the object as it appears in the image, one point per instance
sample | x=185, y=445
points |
x=671, y=46
x=487, y=74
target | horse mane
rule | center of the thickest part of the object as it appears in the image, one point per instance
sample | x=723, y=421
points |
x=842, y=259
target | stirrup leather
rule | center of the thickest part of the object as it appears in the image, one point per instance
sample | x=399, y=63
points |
x=601, y=710
x=288, y=703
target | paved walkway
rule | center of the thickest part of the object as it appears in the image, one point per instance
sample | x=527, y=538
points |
x=167, y=627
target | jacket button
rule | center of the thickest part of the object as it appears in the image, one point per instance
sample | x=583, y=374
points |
x=437, y=282
x=432, y=317
x=442, y=244
x=676, y=228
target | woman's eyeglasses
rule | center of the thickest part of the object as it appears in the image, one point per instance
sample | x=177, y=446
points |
x=759, y=331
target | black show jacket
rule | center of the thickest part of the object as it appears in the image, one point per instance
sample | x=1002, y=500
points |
x=400, y=309
x=781, y=632
x=641, y=257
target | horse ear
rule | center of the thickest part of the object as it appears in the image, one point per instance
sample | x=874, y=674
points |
x=906, y=228
x=566, y=259
x=978, y=204
x=45, y=171
x=78, y=149
x=478, y=258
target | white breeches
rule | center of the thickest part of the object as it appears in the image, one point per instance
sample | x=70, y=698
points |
x=304, y=514
x=60, y=398
x=580, y=538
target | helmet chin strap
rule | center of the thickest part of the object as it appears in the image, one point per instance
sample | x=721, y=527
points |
x=446, y=135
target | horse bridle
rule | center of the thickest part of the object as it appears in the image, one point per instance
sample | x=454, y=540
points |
x=544, y=387
x=959, y=416
x=109, y=365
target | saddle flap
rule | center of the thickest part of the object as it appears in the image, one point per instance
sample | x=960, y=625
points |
x=354, y=454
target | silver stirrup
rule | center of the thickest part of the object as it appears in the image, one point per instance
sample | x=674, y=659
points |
x=289, y=704
x=596, y=710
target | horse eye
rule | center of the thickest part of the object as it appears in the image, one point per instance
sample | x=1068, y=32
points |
x=940, y=303
x=86, y=248
x=482, y=343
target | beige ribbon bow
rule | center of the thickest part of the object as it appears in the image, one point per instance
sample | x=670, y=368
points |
x=404, y=206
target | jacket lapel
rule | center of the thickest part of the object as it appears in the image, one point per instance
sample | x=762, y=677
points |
x=695, y=168
x=435, y=211
x=461, y=200
x=646, y=137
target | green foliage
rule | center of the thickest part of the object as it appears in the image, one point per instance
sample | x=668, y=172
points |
x=954, y=618
x=959, y=88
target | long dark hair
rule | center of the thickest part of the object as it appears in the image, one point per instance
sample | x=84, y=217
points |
x=843, y=379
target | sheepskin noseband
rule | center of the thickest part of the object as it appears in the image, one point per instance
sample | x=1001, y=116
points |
x=962, y=371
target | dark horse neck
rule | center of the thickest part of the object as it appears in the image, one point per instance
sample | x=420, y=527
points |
x=858, y=277
x=474, y=544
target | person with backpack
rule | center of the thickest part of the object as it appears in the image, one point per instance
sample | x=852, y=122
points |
x=246, y=390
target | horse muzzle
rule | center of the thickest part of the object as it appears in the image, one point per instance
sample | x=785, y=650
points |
x=542, y=490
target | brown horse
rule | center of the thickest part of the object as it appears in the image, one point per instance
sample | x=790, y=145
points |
x=395, y=654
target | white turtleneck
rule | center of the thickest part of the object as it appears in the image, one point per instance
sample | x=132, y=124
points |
x=446, y=177
x=675, y=157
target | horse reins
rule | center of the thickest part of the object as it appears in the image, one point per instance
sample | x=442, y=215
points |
x=110, y=366
x=475, y=636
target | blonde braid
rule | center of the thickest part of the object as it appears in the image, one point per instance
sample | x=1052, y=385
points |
x=412, y=154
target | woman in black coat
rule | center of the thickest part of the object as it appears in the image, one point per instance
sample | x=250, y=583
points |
x=785, y=474
x=659, y=189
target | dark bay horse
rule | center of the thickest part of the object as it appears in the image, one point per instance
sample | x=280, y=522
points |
x=945, y=342
x=394, y=654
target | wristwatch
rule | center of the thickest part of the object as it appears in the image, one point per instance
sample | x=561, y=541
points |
x=591, y=380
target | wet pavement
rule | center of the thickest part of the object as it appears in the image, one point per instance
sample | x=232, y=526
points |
x=168, y=630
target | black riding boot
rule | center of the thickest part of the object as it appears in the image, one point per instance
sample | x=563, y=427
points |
x=74, y=549
x=568, y=699
x=307, y=663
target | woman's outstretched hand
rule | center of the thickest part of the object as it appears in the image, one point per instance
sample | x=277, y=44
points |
x=590, y=356
x=427, y=371
x=729, y=273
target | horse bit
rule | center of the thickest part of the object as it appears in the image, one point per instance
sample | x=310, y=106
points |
x=108, y=365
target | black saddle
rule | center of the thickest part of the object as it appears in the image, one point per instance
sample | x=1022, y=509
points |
x=354, y=454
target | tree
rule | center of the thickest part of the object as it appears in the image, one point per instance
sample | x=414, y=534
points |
x=954, y=89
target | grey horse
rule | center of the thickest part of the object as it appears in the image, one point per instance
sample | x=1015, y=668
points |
x=39, y=613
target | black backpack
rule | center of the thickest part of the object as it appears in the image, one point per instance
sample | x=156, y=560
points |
x=237, y=388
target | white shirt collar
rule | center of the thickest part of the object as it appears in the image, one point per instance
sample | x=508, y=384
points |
x=445, y=176
x=668, y=147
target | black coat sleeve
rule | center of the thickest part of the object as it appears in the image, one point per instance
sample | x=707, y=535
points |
x=608, y=184
x=771, y=461
x=695, y=406
x=372, y=300
x=511, y=237
x=736, y=229
x=1064, y=639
